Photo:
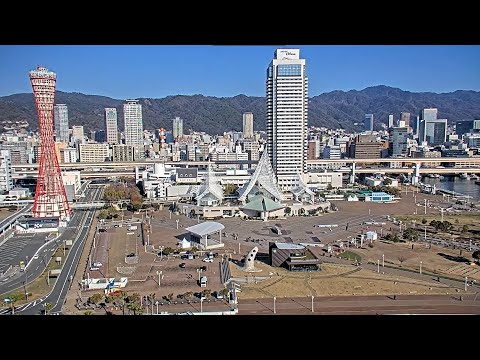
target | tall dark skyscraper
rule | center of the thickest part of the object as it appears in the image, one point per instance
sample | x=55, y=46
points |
x=368, y=122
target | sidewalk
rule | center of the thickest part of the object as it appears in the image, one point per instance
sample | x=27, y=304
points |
x=74, y=290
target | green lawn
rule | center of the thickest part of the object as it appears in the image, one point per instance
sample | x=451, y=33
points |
x=350, y=256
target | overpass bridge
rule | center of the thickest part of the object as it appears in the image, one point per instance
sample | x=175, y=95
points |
x=448, y=165
x=130, y=165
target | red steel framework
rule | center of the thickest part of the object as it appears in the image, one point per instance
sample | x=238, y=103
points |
x=50, y=197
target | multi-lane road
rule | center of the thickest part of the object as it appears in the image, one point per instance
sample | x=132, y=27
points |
x=77, y=230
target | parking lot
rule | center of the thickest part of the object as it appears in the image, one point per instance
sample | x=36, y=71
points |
x=124, y=252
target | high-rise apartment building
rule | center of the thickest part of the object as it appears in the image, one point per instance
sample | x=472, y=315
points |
x=287, y=116
x=60, y=118
x=399, y=141
x=390, y=121
x=368, y=122
x=247, y=125
x=111, y=125
x=177, y=128
x=132, y=114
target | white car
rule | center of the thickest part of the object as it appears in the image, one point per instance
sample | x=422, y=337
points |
x=208, y=260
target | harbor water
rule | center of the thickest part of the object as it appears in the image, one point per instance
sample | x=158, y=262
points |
x=456, y=184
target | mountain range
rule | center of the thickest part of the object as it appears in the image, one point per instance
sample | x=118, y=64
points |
x=215, y=115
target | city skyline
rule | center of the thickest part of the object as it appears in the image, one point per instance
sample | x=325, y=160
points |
x=123, y=72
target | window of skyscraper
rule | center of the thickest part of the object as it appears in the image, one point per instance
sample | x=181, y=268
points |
x=289, y=70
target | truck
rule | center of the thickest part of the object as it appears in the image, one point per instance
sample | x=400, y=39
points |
x=203, y=281
x=132, y=227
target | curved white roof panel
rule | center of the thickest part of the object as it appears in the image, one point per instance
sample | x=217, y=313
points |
x=205, y=228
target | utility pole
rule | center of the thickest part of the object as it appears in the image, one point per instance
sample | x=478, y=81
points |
x=274, y=309
x=425, y=206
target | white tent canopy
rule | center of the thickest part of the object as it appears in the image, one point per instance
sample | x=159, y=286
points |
x=184, y=243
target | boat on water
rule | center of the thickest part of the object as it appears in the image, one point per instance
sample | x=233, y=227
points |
x=464, y=176
x=474, y=177
x=434, y=176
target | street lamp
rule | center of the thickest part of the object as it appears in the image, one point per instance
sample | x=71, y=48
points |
x=312, y=302
x=159, y=273
x=274, y=309
x=378, y=266
x=177, y=223
x=466, y=278
x=201, y=304
x=156, y=303
x=383, y=260
x=420, y=267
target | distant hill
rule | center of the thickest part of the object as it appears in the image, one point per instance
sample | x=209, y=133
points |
x=336, y=109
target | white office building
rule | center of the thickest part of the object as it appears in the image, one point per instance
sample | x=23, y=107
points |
x=6, y=180
x=60, y=119
x=247, y=125
x=132, y=113
x=287, y=116
x=111, y=126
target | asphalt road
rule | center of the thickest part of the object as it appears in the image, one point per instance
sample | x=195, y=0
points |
x=362, y=305
x=15, y=215
x=78, y=230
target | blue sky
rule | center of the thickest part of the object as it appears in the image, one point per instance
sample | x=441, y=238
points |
x=156, y=71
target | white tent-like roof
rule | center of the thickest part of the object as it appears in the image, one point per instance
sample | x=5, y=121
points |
x=205, y=228
x=263, y=176
x=184, y=243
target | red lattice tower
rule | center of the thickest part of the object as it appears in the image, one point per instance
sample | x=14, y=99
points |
x=50, y=197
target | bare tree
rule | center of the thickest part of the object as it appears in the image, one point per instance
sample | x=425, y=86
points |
x=401, y=259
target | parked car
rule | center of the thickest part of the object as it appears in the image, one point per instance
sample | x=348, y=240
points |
x=182, y=265
x=208, y=260
x=131, y=255
x=97, y=264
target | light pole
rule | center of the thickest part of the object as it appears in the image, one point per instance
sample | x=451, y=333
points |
x=201, y=304
x=239, y=246
x=199, y=272
x=425, y=234
x=383, y=260
x=466, y=278
x=420, y=267
x=156, y=303
x=26, y=293
x=425, y=206
x=378, y=266
x=170, y=211
x=159, y=273
x=312, y=302
x=177, y=223
x=161, y=253
x=274, y=308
